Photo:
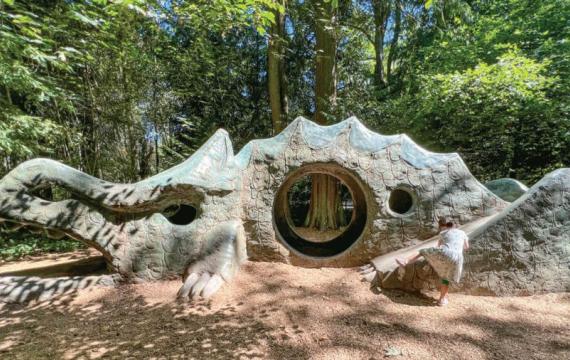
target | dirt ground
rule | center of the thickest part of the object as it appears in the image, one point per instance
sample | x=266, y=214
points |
x=276, y=311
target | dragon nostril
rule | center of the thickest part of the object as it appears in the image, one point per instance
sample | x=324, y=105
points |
x=182, y=214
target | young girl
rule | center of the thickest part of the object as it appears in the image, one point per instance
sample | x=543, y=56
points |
x=446, y=259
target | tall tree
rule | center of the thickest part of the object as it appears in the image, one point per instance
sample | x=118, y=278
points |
x=325, y=69
x=381, y=15
x=325, y=205
x=395, y=38
x=276, y=74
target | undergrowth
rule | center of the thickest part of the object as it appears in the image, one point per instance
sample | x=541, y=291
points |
x=14, y=246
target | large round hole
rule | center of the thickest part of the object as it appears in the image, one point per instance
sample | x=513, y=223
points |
x=299, y=230
x=180, y=214
x=400, y=201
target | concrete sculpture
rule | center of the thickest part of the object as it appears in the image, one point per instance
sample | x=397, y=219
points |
x=526, y=248
x=522, y=250
x=204, y=217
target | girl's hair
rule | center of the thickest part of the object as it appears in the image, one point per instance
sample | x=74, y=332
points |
x=444, y=222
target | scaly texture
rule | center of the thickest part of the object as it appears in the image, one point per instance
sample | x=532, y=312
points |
x=241, y=210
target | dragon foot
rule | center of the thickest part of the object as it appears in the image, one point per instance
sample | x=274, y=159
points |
x=219, y=265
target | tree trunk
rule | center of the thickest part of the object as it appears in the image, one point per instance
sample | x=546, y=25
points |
x=156, y=155
x=277, y=80
x=394, y=44
x=325, y=72
x=8, y=95
x=325, y=194
x=325, y=210
x=145, y=158
x=381, y=14
x=89, y=112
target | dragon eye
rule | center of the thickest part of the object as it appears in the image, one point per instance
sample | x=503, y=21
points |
x=52, y=192
x=401, y=201
x=181, y=214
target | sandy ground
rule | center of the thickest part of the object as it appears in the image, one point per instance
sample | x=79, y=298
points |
x=80, y=262
x=276, y=311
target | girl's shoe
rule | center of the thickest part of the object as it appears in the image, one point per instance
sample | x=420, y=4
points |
x=442, y=302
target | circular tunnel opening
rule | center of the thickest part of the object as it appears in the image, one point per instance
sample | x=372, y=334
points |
x=297, y=219
x=299, y=202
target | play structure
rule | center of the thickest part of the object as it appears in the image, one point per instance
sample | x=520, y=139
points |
x=203, y=218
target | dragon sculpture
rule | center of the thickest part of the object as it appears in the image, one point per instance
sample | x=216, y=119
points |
x=204, y=217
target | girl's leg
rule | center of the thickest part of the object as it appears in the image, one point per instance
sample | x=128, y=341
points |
x=443, y=290
x=409, y=260
x=412, y=259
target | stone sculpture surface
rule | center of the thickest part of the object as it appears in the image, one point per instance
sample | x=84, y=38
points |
x=522, y=250
x=203, y=218
x=526, y=248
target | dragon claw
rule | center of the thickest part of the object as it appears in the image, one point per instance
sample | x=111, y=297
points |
x=207, y=275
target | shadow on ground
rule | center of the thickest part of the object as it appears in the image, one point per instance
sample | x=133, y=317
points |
x=286, y=313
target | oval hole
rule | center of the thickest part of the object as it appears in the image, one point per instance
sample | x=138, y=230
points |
x=401, y=201
x=52, y=192
x=182, y=214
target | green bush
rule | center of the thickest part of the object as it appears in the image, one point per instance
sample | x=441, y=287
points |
x=498, y=117
x=16, y=245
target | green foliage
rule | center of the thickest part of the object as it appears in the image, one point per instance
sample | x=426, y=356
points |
x=495, y=116
x=14, y=246
x=494, y=88
x=25, y=60
x=23, y=135
x=123, y=89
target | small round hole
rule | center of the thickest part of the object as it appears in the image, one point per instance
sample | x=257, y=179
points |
x=180, y=214
x=400, y=201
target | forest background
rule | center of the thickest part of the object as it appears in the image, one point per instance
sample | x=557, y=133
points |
x=124, y=89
